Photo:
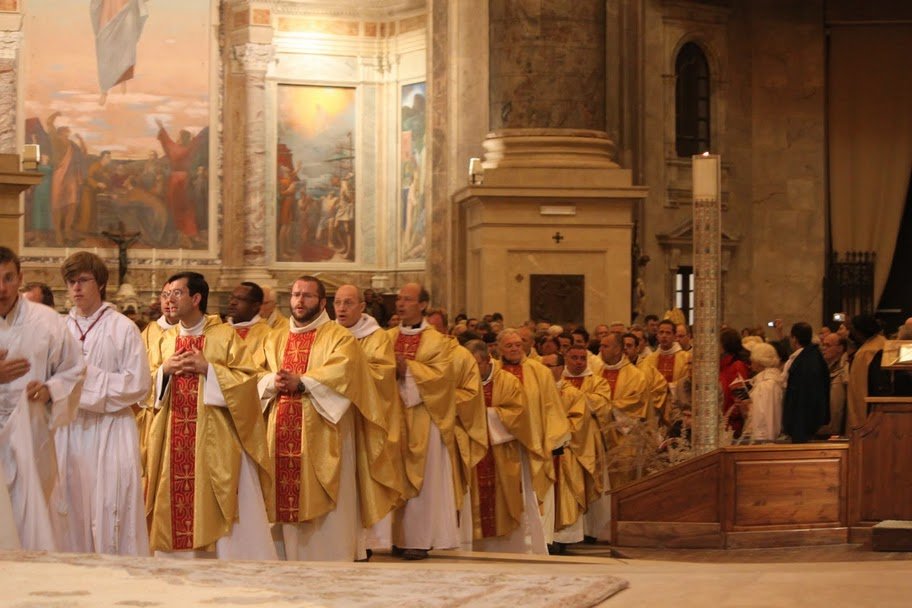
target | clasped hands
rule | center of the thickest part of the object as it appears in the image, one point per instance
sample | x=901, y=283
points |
x=287, y=382
x=186, y=362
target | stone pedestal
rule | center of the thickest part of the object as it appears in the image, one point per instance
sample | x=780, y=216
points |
x=552, y=202
x=12, y=183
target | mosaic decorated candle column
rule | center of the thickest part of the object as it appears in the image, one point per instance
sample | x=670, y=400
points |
x=707, y=257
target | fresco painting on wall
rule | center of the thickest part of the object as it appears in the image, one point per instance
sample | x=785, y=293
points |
x=117, y=97
x=315, y=180
x=413, y=173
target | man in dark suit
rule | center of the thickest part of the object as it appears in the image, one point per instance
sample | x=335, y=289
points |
x=806, y=405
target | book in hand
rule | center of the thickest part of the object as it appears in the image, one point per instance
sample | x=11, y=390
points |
x=741, y=388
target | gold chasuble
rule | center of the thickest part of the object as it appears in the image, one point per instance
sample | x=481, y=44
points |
x=253, y=334
x=471, y=429
x=306, y=446
x=546, y=414
x=578, y=467
x=428, y=357
x=151, y=337
x=194, y=448
x=497, y=500
x=389, y=491
x=630, y=404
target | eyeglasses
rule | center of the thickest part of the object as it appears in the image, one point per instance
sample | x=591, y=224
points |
x=81, y=281
x=177, y=293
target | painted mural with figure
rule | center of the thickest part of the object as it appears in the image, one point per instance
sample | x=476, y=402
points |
x=117, y=96
x=315, y=174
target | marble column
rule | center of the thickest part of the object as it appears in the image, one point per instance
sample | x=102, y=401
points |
x=10, y=43
x=244, y=240
x=547, y=64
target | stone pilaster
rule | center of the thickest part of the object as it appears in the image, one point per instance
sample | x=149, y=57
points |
x=10, y=43
x=253, y=59
x=245, y=225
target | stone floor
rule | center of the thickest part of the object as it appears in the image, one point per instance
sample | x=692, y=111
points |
x=829, y=576
x=806, y=577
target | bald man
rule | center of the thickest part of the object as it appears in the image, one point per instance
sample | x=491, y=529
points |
x=390, y=490
x=427, y=391
x=268, y=309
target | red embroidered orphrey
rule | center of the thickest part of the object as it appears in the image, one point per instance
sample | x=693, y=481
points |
x=242, y=332
x=83, y=334
x=407, y=346
x=576, y=381
x=611, y=375
x=289, y=431
x=184, y=396
x=516, y=370
x=667, y=366
x=487, y=481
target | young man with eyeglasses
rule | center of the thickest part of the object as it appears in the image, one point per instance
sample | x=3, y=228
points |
x=41, y=374
x=99, y=452
x=208, y=467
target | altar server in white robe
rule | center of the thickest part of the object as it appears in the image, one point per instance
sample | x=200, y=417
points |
x=100, y=448
x=41, y=374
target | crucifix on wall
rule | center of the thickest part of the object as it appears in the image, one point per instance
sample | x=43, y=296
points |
x=558, y=237
x=123, y=240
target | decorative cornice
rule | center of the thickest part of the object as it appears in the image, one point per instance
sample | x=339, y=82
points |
x=356, y=9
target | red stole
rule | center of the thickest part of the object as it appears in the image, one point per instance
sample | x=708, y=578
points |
x=667, y=366
x=515, y=369
x=184, y=397
x=487, y=481
x=242, y=332
x=611, y=375
x=407, y=346
x=576, y=381
x=289, y=430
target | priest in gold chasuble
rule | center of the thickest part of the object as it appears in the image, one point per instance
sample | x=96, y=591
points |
x=208, y=467
x=505, y=512
x=326, y=429
x=385, y=488
x=426, y=388
x=549, y=424
x=581, y=467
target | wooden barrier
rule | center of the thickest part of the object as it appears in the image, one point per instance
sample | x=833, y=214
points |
x=739, y=496
x=880, y=463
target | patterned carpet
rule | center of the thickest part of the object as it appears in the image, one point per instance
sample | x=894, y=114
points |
x=31, y=580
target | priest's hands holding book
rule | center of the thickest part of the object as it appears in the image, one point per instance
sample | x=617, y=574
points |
x=11, y=369
x=186, y=362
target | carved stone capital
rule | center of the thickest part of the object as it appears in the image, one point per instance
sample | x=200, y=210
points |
x=10, y=43
x=253, y=58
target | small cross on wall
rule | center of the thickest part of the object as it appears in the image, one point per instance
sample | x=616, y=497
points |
x=558, y=237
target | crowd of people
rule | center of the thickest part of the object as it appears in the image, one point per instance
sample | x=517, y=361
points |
x=258, y=436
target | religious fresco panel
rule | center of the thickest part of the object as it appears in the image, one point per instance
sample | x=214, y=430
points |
x=117, y=96
x=413, y=173
x=315, y=173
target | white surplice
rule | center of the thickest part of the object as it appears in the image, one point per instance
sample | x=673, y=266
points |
x=337, y=535
x=100, y=448
x=427, y=521
x=37, y=333
x=249, y=537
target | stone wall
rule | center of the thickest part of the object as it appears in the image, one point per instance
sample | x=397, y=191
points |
x=767, y=121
